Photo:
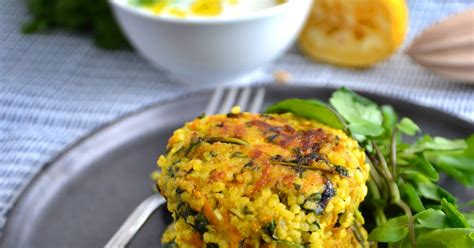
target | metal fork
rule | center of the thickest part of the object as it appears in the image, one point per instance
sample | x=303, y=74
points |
x=217, y=104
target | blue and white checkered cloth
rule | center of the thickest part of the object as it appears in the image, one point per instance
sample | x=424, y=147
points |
x=57, y=88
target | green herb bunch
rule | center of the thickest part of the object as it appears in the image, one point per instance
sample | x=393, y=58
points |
x=87, y=16
x=405, y=205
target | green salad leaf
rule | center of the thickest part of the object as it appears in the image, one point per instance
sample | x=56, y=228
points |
x=390, y=117
x=447, y=238
x=457, y=164
x=363, y=116
x=391, y=231
x=455, y=218
x=412, y=197
x=436, y=144
x=432, y=219
x=425, y=167
x=407, y=126
x=311, y=109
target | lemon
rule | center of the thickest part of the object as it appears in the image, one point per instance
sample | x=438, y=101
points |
x=354, y=33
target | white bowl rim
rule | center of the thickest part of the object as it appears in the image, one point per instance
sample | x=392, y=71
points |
x=261, y=14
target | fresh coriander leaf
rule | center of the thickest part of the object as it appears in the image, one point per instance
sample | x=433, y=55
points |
x=407, y=126
x=311, y=109
x=455, y=218
x=393, y=230
x=411, y=197
x=432, y=218
x=437, y=143
x=447, y=238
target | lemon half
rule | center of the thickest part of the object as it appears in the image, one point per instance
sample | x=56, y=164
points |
x=354, y=33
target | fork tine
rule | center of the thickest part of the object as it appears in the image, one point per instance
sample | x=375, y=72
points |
x=214, y=102
x=244, y=98
x=135, y=221
x=229, y=100
x=258, y=100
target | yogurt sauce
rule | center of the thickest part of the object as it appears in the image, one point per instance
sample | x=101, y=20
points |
x=207, y=8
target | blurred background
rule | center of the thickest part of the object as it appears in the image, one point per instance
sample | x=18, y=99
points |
x=66, y=69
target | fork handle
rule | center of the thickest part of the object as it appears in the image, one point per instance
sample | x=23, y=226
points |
x=135, y=221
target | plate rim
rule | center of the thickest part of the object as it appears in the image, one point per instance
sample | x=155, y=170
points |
x=77, y=144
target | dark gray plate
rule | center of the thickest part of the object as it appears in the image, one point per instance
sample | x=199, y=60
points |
x=83, y=196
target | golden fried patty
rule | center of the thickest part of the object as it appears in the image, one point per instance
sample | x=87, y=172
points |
x=251, y=180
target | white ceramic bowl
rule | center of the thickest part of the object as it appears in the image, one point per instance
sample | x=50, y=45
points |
x=213, y=50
